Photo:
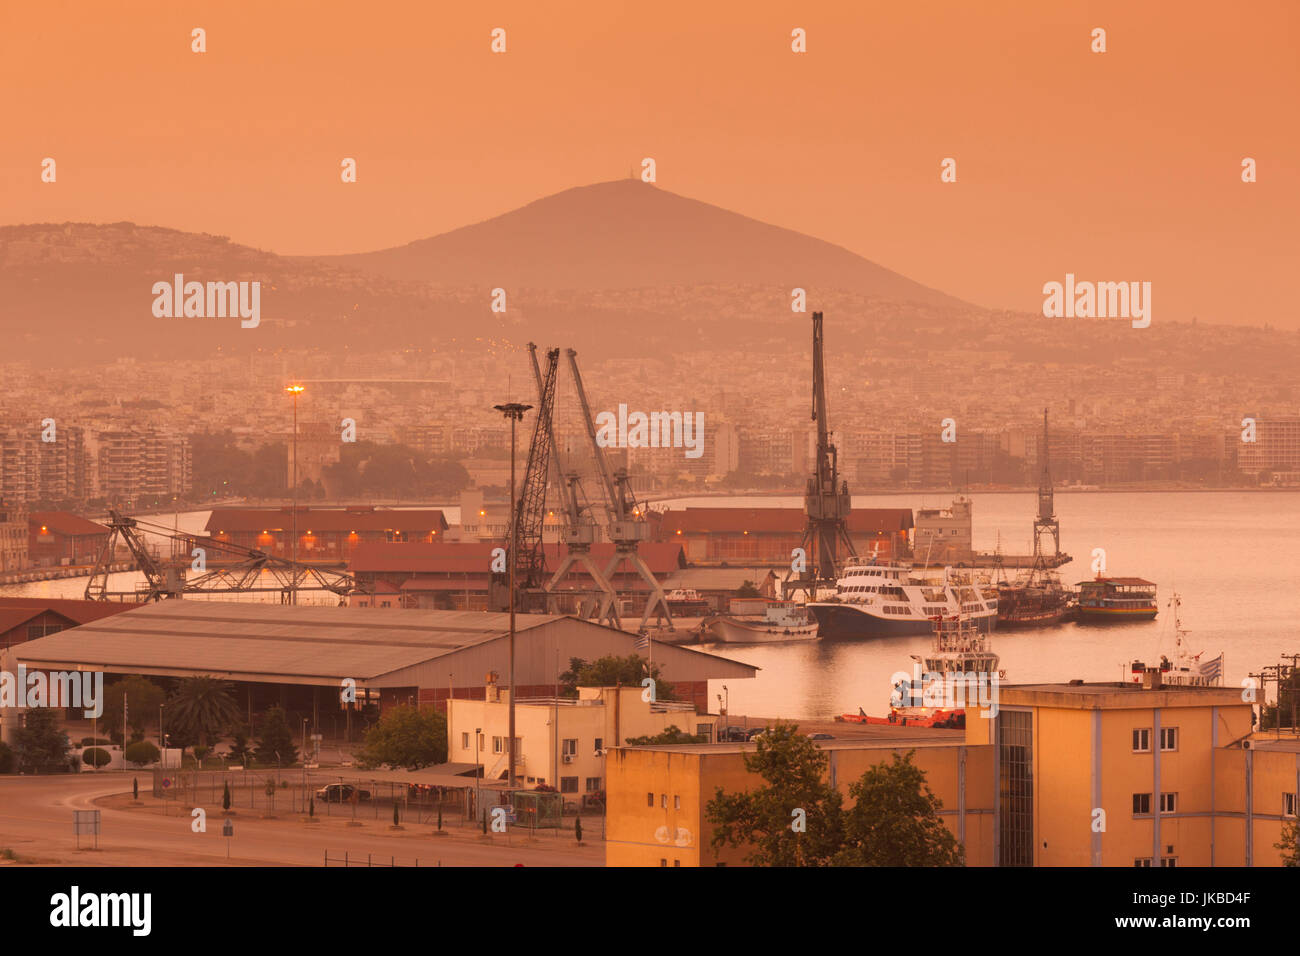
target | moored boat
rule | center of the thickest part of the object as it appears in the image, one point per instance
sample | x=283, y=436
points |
x=1116, y=599
x=873, y=600
x=1185, y=670
x=760, y=621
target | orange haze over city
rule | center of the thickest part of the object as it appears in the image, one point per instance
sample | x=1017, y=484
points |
x=1124, y=165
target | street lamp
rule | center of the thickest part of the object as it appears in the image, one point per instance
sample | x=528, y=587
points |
x=295, y=391
x=515, y=412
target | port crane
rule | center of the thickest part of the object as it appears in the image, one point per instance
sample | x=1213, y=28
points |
x=579, y=528
x=1045, y=523
x=251, y=571
x=627, y=523
x=826, y=501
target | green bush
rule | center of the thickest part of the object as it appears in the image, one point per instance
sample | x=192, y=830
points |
x=96, y=757
x=94, y=741
x=142, y=752
x=7, y=761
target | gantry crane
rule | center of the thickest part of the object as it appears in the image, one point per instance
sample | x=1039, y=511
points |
x=248, y=574
x=826, y=501
x=530, y=509
x=627, y=524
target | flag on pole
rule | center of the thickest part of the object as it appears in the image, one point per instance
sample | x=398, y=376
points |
x=1213, y=670
x=643, y=642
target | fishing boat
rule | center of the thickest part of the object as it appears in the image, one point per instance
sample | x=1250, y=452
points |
x=1116, y=599
x=1039, y=600
x=687, y=602
x=760, y=621
x=1185, y=670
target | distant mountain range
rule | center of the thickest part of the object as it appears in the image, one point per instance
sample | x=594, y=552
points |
x=580, y=262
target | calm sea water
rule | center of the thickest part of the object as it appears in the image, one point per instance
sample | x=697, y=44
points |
x=1233, y=557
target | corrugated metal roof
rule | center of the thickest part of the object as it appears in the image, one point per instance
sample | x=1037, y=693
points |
x=378, y=557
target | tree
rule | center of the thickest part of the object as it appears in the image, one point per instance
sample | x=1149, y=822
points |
x=577, y=829
x=225, y=796
x=135, y=788
x=202, y=708
x=96, y=757
x=143, y=698
x=747, y=589
x=611, y=670
x=796, y=818
x=7, y=759
x=40, y=745
x=406, y=737
x=671, y=735
x=895, y=821
x=1290, y=844
x=239, y=748
x=142, y=752
x=275, y=746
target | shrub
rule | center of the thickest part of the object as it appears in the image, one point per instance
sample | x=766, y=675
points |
x=142, y=752
x=7, y=761
x=94, y=741
x=96, y=757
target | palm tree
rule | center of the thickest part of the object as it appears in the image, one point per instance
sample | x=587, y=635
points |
x=203, y=706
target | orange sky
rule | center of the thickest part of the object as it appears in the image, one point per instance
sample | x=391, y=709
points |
x=1121, y=166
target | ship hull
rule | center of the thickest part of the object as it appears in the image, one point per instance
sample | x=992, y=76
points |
x=731, y=631
x=843, y=621
x=1107, y=614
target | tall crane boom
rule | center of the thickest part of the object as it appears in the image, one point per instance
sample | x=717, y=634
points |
x=826, y=502
x=530, y=510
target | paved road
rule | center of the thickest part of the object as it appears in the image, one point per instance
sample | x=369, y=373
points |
x=36, y=823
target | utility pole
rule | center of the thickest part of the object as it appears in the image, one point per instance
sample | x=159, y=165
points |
x=515, y=412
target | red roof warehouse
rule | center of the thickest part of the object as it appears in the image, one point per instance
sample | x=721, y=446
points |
x=60, y=537
x=753, y=536
x=324, y=534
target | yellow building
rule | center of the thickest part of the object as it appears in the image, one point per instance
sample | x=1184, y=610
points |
x=1063, y=775
x=560, y=738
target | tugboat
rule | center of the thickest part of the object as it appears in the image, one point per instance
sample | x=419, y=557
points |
x=1185, y=670
x=1117, y=599
x=959, y=648
x=775, y=621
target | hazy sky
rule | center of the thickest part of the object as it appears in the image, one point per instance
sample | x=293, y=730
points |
x=1117, y=166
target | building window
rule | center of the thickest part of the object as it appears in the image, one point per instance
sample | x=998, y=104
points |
x=1168, y=738
x=677, y=802
x=649, y=799
x=663, y=801
x=593, y=784
x=1141, y=804
x=705, y=731
x=1169, y=861
x=677, y=862
x=1142, y=741
x=1142, y=861
x=1288, y=804
x=1168, y=803
x=1016, y=782
x=569, y=746
x=663, y=862
x=568, y=785
x=464, y=740
x=497, y=744
x=600, y=743
x=482, y=741
x=532, y=780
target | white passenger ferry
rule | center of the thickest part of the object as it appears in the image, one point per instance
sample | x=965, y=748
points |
x=875, y=600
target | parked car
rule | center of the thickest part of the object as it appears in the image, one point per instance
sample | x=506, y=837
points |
x=340, y=793
x=734, y=735
x=821, y=737
x=753, y=732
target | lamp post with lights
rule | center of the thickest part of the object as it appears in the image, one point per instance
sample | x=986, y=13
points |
x=515, y=412
x=295, y=391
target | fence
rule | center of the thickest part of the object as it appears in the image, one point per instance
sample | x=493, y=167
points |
x=355, y=860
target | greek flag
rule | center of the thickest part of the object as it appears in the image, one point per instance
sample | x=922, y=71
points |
x=1213, y=670
x=643, y=642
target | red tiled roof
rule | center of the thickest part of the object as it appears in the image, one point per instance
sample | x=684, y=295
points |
x=81, y=612
x=777, y=520
x=63, y=522
x=476, y=557
x=326, y=519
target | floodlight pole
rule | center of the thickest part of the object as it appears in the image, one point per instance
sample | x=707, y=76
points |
x=515, y=412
